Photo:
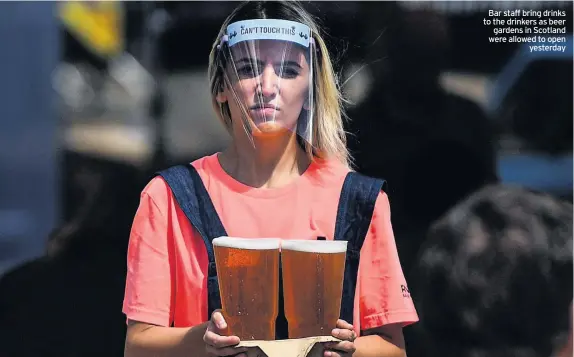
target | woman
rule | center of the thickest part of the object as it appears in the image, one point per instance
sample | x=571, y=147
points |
x=273, y=87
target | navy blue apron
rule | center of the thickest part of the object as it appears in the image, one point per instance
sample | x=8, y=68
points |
x=355, y=210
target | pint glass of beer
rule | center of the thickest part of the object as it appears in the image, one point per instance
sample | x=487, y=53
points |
x=248, y=274
x=312, y=285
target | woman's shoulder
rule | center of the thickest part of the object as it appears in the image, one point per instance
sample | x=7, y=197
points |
x=158, y=189
x=338, y=172
x=333, y=171
x=205, y=164
x=328, y=171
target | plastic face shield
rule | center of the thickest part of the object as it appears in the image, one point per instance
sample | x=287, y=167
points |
x=268, y=73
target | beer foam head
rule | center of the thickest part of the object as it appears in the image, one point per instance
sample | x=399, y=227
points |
x=247, y=243
x=315, y=246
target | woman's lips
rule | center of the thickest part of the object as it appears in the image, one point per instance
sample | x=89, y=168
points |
x=267, y=112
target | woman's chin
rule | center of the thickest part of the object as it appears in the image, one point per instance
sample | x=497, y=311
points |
x=270, y=128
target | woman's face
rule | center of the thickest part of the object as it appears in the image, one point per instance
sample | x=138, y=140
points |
x=271, y=79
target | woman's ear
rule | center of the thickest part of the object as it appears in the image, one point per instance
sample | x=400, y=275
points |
x=306, y=104
x=221, y=98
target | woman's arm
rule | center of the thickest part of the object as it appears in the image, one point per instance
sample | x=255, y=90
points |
x=144, y=340
x=384, y=341
x=198, y=341
x=385, y=303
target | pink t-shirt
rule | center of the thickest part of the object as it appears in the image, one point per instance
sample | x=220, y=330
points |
x=167, y=259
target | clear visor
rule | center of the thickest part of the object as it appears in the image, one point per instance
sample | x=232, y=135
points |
x=268, y=72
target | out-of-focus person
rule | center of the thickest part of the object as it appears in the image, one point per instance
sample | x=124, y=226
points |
x=67, y=302
x=433, y=147
x=495, y=277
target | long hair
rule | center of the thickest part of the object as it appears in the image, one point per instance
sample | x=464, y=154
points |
x=329, y=140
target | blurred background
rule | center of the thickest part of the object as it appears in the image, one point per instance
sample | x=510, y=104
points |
x=97, y=96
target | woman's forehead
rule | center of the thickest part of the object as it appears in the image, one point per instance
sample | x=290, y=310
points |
x=269, y=51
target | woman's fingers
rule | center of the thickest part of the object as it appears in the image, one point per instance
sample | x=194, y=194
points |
x=218, y=320
x=345, y=335
x=227, y=351
x=344, y=331
x=336, y=349
x=213, y=339
x=343, y=346
x=344, y=325
x=332, y=354
x=217, y=344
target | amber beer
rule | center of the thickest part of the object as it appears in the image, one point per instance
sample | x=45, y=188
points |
x=312, y=285
x=248, y=274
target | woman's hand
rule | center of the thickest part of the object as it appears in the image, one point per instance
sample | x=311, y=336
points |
x=216, y=344
x=346, y=347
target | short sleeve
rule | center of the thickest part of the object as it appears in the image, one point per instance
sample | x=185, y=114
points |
x=384, y=296
x=149, y=287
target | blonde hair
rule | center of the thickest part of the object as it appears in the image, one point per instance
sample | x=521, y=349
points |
x=329, y=137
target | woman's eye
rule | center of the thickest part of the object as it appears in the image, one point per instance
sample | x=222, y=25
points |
x=250, y=71
x=247, y=70
x=289, y=73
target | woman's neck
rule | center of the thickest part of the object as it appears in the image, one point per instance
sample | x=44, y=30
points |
x=268, y=162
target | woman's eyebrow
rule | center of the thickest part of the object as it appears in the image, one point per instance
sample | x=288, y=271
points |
x=291, y=63
x=260, y=63
x=247, y=60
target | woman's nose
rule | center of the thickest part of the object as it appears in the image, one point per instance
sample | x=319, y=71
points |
x=268, y=82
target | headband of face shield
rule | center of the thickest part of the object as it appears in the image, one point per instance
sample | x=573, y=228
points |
x=268, y=71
